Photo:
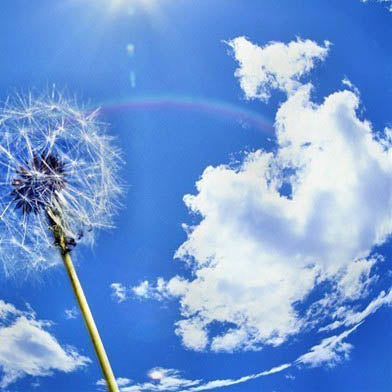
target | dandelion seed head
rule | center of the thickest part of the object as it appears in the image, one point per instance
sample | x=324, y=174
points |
x=38, y=183
x=54, y=156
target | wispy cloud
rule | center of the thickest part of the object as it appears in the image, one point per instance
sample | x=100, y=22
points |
x=330, y=351
x=71, y=314
x=144, y=289
x=350, y=317
x=119, y=292
x=227, y=382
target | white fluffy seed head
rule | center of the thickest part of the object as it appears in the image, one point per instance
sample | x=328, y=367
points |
x=86, y=189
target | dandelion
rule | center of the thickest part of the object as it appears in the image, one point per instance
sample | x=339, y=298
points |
x=59, y=184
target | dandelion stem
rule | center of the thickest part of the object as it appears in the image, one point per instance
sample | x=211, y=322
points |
x=85, y=309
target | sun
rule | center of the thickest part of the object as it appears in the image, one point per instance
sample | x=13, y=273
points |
x=118, y=4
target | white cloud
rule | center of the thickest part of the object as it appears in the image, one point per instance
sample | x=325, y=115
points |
x=227, y=382
x=146, y=290
x=160, y=290
x=387, y=2
x=71, y=314
x=7, y=309
x=193, y=333
x=119, y=292
x=350, y=317
x=258, y=252
x=347, y=82
x=330, y=351
x=121, y=382
x=27, y=348
x=356, y=278
x=143, y=290
x=161, y=379
x=274, y=66
x=281, y=226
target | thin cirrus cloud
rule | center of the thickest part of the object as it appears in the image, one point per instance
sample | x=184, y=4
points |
x=274, y=230
x=28, y=349
x=161, y=379
x=330, y=351
x=357, y=317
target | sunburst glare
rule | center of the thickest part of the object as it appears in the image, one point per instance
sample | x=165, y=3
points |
x=116, y=5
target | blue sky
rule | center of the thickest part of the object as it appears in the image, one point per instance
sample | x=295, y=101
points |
x=252, y=251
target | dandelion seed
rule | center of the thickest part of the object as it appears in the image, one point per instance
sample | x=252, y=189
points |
x=53, y=157
x=58, y=175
